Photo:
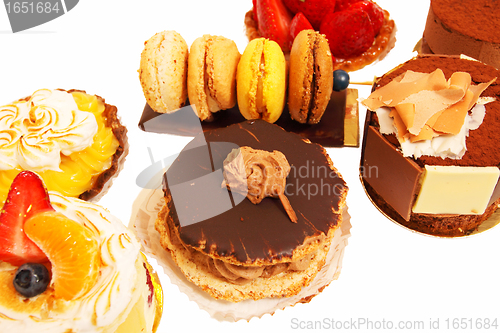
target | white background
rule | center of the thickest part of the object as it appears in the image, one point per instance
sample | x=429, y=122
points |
x=389, y=273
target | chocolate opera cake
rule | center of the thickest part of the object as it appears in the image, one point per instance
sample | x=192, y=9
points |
x=431, y=149
x=251, y=211
x=467, y=27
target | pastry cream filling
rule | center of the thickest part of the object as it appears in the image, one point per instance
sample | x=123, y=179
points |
x=120, y=284
x=240, y=274
x=62, y=136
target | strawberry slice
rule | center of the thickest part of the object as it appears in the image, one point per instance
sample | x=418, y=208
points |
x=299, y=23
x=274, y=22
x=27, y=197
x=374, y=11
x=314, y=10
x=349, y=32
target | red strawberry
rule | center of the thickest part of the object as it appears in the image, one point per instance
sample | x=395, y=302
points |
x=299, y=23
x=374, y=11
x=349, y=32
x=314, y=10
x=27, y=196
x=254, y=9
x=274, y=21
x=344, y=4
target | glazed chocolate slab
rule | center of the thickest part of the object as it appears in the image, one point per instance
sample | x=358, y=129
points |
x=338, y=127
x=238, y=228
x=394, y=177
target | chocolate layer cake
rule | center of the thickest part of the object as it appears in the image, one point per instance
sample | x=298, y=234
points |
x=394, y=182
x=467, y=27
x=235, y=249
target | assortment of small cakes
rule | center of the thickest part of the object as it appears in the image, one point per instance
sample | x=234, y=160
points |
x=234, y=218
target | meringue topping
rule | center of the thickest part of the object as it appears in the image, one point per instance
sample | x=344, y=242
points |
x=107, y=304
x=36, y=131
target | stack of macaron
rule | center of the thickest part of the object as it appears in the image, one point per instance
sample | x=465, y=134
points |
x=213, y=76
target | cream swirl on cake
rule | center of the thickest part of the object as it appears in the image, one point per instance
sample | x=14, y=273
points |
x=37, y=130
x=121, y=286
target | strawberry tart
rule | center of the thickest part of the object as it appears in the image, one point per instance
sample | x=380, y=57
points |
x=359, y=31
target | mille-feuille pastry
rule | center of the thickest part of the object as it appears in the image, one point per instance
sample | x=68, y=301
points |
x=261, y=81
x=212, y=75
x=73, y=140
x=310, y=81
x=241, y=219
x=430, y=152
x=67, y=265
x=163, y=71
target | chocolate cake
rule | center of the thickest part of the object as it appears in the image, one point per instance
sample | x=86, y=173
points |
x=236, y=249
x=394, y=182
x=467, y=27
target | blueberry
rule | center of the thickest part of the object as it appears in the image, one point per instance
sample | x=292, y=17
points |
x=31, y=279
x=340, y=80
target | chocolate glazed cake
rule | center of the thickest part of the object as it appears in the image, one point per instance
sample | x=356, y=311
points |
x=235, y=249
x=394, y=182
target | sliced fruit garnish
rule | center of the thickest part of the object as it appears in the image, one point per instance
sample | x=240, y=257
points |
x=299, y=23
x=27, y=197
x=72, y=250
x=274, y=21
x=314, y=10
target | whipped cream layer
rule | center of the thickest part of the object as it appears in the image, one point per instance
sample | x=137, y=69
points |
x=35, y=132
x=120, y=285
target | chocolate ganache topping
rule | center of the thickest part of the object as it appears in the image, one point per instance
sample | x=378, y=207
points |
x=223, y=224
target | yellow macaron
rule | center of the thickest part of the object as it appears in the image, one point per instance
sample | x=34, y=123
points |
x=261, y=80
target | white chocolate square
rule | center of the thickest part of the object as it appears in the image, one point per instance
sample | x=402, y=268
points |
x=456, y=190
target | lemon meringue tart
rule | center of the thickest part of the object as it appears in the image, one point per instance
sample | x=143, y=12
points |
x=72, y=139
